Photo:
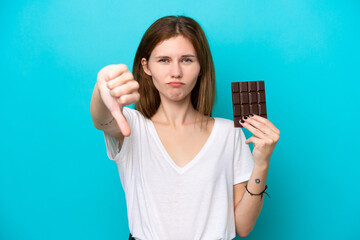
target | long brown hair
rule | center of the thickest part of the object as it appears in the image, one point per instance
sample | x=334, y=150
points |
x=203, y=94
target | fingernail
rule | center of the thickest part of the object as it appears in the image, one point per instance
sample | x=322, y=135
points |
x=251, y=115
x=245, y=117
x=242, y=121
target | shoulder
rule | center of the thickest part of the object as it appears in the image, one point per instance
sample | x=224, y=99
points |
x=131, y=111
x=226, y=127
x=132, y=114
x=134, y=118
x=224, y=122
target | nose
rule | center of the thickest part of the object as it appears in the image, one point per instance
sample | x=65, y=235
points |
x=176, y=71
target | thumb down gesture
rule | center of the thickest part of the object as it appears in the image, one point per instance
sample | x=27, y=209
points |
x=117, y=89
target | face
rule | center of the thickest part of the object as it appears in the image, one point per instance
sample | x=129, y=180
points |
x=174, y=68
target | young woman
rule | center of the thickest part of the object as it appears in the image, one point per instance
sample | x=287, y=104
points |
x=185, y=174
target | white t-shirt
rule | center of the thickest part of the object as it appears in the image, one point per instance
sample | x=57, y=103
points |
x=165, y=201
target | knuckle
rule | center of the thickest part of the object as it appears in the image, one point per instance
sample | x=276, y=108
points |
x=122, y=67
x=111, y=72
x=122, y=100
x=135, y=97
x=114, y=71
x=116, y=92
x=115, y=83
x=128, y=75
x=112, y=93
x=105, y=69
x=136, y=85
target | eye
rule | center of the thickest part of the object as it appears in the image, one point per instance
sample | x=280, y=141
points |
x=163, y=60
x=187, y=60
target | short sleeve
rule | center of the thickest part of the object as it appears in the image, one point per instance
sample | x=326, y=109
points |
x=243, y=159
x=112, y=144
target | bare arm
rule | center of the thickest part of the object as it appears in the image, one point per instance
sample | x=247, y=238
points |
x=115, y=88
x=100, y=114
x=102, y=117
x=265, y=136
x=247, y=210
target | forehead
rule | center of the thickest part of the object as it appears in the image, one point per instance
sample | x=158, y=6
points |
x=178, y=45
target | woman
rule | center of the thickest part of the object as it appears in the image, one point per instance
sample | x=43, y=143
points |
x=185, y=174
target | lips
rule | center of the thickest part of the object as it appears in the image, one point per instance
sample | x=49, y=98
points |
x=175, y=84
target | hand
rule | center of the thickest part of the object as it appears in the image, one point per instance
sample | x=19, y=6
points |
x=117, y=89
x=265, y=136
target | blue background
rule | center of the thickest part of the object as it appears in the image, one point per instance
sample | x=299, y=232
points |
x=56, y=181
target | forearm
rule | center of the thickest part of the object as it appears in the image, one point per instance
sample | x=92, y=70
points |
x=248, y=209
x=100, y=114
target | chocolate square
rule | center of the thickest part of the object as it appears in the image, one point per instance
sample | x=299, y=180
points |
x=248, y=97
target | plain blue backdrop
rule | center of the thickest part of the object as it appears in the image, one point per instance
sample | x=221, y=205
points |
x=56, y=181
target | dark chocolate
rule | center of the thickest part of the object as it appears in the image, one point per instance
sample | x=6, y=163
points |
x=248, y=97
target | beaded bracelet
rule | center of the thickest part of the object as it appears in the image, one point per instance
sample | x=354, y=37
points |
x=259, y=194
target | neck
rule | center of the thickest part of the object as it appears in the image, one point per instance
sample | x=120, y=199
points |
x=176, y=114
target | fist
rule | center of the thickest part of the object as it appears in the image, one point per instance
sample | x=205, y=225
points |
x=117, y=89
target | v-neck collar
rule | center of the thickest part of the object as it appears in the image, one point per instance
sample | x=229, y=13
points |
x=204, y=148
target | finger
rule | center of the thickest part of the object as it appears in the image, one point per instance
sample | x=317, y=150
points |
x=262, y=127
x=259, y=142
x=252, y=140
x=122, y=123
x=125, y=89
x=129, y=99
x=120, y=80
x=115, y=71
x=266, y=122
x=256, y=132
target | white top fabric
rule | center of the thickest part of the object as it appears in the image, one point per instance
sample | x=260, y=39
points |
x=165, y=201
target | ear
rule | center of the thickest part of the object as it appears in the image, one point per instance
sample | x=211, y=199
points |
x=145, y=66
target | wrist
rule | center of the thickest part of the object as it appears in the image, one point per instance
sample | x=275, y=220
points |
x=262, y=166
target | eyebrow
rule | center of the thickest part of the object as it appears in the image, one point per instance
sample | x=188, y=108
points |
x=187, y=55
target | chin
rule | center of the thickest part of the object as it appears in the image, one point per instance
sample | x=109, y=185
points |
x=176, y=97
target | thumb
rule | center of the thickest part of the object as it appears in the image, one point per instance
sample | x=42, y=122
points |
x=122, y=122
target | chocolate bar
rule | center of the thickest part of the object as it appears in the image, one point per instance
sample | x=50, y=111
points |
x=248, y=97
